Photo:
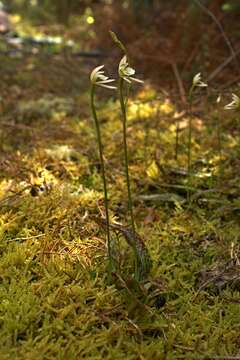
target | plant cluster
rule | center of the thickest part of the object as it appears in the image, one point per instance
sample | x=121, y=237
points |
x=126, y=76
x=55, y=302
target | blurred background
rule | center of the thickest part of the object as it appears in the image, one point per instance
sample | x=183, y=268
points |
x=169, y=40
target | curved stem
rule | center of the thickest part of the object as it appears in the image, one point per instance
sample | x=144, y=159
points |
x=124, y=122
x=100, y=150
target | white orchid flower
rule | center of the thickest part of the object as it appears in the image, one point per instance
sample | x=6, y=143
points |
x=97, y=77
x=235, y=104
x=197, y=81
x=126, y=72
x=219, y=98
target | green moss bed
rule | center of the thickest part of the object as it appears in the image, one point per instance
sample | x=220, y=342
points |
x=57, y=300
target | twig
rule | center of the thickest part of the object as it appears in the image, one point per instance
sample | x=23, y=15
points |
x=217, y=22
x=17, y=126
x=26, y=237
x=232, y=82
x=223, y=65
x=13, y=197
x=179, y=83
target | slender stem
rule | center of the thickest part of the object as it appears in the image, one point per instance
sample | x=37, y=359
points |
x=190, y=143
x=100, y=150
x=124, y=122
x=219, y=140
x=220, y=153
x=177, y=140
x=130, y=204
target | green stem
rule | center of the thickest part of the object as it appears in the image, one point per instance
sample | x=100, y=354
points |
x=220, y=152
x=130, y=203
x=190, y=143
x=124, y=122
x=100, y=150
x=177, y=140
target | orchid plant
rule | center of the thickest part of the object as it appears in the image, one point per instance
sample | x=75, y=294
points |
x=98, y=78
x=126, y=73
x=219, y=135
x=196, y=82
x=234, y=104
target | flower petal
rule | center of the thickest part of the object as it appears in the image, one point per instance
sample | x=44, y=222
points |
x=105, y=81
x=137, y=80
x=201, y=84
x=126, y=72
x=94, y=73
x=101, y=77
x=123, y=62
x=196, y=79
x=107, y=86
x=235, y=104
x=127, y=79
x=235, y=98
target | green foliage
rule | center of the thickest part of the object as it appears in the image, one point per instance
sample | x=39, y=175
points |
x=55, y=300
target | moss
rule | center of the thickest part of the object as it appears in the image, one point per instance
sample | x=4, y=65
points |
x=56, y=301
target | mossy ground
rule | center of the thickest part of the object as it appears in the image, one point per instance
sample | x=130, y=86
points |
x=56, y=301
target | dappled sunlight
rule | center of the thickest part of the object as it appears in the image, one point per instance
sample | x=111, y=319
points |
x=5, y=186
x=64, y=290
x=166, y=107
x=153, y=171
x=149, y=108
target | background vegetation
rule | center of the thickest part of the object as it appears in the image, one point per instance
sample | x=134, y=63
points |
x=56, y=298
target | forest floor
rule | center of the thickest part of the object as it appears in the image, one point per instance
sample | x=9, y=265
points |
x=56, y=300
